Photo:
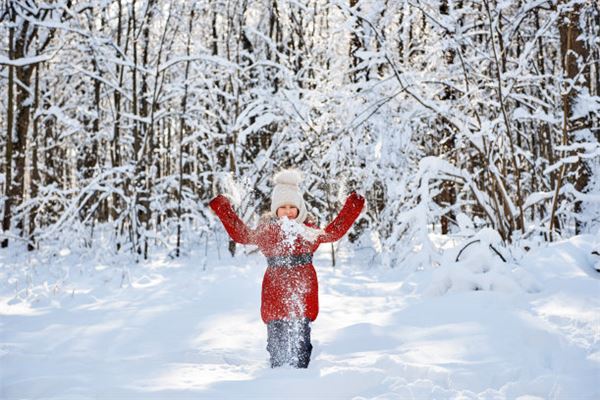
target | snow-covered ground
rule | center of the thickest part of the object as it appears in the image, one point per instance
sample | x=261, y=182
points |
x=105, y=328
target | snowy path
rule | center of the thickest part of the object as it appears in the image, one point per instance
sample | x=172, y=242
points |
x=180, y=332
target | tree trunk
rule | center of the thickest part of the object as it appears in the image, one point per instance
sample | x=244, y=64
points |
x=574, y=54
x=447, y=197
x=146, y=141
x=6, y=220
x=89, y=162
x=23, y=103
x=116, y=201
x=183, y=131
x=355, y=45
x=35, y=172
x=137, y=214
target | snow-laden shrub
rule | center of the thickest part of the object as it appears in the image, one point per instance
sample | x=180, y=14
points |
x=595, y=254
x=480, y=262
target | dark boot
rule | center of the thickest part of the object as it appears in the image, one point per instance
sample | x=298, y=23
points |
x=288, y=342
x=278, y=343
x=302, y=348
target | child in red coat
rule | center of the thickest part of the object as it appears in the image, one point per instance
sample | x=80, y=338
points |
x=288, y=240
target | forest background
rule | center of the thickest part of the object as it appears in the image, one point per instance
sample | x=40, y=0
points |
x=120, y=120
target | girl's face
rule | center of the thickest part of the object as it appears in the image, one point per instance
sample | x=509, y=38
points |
x=287, y=210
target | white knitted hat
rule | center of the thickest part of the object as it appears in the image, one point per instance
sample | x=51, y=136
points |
x=287, y=191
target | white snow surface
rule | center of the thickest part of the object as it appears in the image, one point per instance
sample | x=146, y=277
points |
x=81, y=326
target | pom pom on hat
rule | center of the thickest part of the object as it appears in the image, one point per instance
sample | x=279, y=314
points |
x=288, y=177
x=287, y=191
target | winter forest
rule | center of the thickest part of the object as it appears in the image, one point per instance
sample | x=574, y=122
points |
x=471, y=128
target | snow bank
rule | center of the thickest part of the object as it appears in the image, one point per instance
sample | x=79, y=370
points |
x=481, y=262
x=168, y=329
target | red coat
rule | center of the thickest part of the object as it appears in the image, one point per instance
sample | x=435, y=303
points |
x=290, y=288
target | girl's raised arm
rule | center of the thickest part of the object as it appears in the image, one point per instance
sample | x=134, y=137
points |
x=340, y=225
x=235, y=227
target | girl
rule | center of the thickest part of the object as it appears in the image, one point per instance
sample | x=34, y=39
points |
x=288, y=240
